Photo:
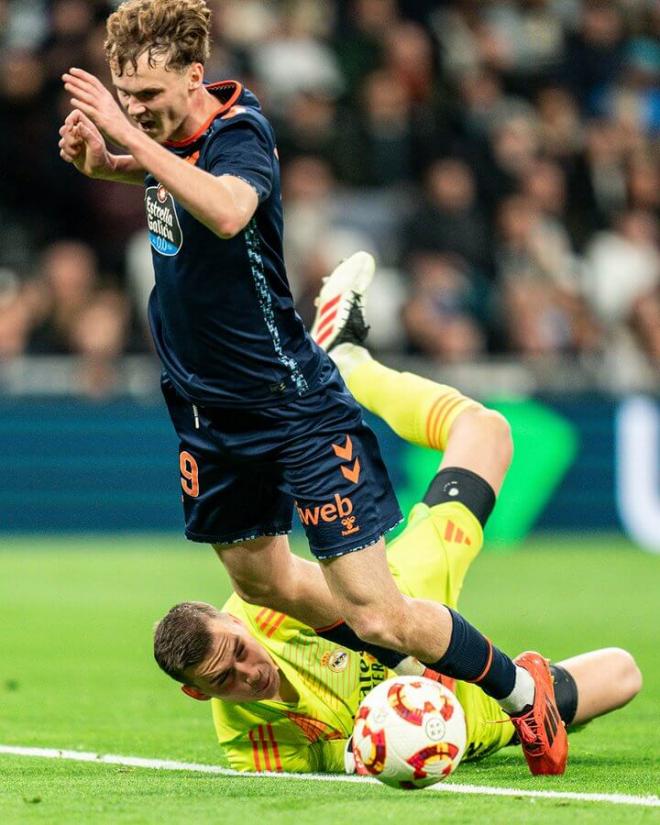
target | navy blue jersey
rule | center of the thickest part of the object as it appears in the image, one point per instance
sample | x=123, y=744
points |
x=221, y=312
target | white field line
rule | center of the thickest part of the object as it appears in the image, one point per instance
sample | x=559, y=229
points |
x=444, y=787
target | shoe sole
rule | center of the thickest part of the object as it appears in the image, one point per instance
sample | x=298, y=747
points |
x=352, y=276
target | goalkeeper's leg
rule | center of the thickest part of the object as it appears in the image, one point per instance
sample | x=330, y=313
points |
x=420, y=411
x=431, y=415
x=477, y=446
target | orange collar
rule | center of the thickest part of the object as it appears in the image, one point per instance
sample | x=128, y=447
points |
x=233, y=97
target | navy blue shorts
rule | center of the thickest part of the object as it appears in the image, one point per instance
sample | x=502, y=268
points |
x=243, y=471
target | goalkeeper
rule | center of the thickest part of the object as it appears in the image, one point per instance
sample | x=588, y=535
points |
x=283, y=698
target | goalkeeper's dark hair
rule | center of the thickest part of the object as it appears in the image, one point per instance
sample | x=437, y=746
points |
x=182, y=638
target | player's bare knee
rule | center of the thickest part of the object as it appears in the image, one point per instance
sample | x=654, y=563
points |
x=629, y=675
x=373, y=626
x=500, y=436
x=492, y=429
x=257, y=592
x=279, y=593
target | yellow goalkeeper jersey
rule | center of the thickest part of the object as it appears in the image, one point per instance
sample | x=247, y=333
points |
x=310, y=735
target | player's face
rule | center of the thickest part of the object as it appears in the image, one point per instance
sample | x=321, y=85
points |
x=158, y=100
x=237, y=668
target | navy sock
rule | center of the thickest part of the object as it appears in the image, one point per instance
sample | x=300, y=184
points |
x=471, y=657
x=342, y=634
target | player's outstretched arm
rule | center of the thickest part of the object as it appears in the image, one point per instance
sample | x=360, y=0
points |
x=224, y=204
x=83, y=145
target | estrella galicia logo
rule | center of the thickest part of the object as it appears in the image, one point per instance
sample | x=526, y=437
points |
x=164, y=228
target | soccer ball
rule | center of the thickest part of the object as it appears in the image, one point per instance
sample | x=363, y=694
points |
x=409, y=732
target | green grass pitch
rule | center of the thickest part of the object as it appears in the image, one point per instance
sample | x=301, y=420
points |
x=76, y=673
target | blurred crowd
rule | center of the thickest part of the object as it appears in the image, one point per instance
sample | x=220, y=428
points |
x=500, y=157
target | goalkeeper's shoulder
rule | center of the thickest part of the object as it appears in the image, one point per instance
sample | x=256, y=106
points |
x=262, y=622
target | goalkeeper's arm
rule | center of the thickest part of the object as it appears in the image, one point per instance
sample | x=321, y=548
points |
x=260, y=750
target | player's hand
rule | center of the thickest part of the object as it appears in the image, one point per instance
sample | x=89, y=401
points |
x=83, y=145
x=91, y=97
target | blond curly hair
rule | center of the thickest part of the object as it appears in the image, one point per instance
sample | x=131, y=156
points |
x=179, y=30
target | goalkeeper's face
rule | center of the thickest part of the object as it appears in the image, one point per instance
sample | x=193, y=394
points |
x=237, y=668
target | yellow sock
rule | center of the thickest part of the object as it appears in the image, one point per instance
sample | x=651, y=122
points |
x=417, y=409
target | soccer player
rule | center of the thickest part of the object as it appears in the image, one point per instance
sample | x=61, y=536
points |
x=285, y=699
x=262, y=415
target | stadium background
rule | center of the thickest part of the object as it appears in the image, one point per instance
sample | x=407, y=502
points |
x=500, y=159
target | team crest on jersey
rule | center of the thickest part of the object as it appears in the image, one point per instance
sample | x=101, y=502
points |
x=337, y=660
x=164, y=228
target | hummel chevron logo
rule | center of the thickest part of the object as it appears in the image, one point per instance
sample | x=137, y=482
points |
x=345, y=452
x=353, y=474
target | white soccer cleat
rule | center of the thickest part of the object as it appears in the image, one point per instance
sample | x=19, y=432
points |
x=339, y=317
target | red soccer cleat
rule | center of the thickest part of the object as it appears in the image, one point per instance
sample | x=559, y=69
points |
x=541, y=731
